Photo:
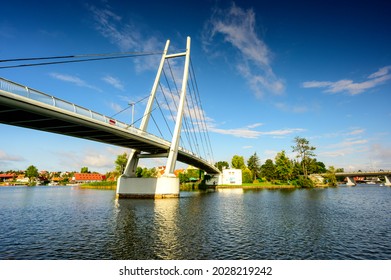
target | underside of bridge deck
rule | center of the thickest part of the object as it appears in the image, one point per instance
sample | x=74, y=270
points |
x=47, y=121
x=18, y=113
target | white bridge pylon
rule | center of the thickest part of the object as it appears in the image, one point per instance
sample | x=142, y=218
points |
x=168, y=185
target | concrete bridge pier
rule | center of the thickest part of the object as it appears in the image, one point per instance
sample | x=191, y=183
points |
x=388, y=180
x=351, y=181
x=163, y=187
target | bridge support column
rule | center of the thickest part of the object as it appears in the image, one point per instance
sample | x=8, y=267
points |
x=388, y=180
x=128, y=185
x=351, y=181
x=163, y=187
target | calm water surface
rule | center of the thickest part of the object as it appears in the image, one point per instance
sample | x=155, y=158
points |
x=73, y=223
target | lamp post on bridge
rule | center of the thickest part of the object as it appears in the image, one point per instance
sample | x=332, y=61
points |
x=132, y=104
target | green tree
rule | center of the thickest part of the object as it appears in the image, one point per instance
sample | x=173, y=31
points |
x=120, y=163
x=254, y=166
x=247, y=176
x=284, y=168
x=297, y=169
x=238, y=162
x=315, y=166
x=268, y=170
x=340, y=178
x=31, y=173
x=221, y=164
x=84, y=170
x=149, y=173
x=183, y=177
x=304, y=152
x=139, y=172
x=321, y=167
x=193, y=173
x=330, y=178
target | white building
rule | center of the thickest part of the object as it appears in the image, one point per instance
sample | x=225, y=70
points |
x=227, y=177
x=231, y=177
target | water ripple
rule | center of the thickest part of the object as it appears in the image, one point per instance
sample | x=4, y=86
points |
x=69, y=223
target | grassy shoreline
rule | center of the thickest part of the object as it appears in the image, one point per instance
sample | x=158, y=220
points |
x=197, y=186
x=100, y=185
x=256, y=186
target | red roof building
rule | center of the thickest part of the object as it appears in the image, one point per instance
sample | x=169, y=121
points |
x=7, y=176
x=88, y=177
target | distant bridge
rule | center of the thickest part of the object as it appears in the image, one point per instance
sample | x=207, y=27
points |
x=351, y=175
x=26, y=107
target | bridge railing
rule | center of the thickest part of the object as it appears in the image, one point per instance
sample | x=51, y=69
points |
x=39, y=96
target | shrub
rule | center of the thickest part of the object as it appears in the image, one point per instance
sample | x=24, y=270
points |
x=305, y=182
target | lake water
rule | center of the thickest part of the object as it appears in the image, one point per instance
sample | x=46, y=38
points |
x=73, y=223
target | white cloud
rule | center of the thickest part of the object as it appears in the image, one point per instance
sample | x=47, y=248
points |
x=106, y=22
x=249, y=132
x=382, y=153
x=254, y=125
x=116, y=107
x=356, y=131
x=126, y=35
x=380, y=73
x=237, y=132
x=74, y=80
x=353, y=88
x=238, y=28
x=7, y=157
x=282, y=132
x=353, y=142
x=98, y=161
x=291, y=108
x=115, y=82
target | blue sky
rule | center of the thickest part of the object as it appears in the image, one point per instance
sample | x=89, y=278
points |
x=267, y=71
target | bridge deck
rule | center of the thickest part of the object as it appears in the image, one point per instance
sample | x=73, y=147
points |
x=61, y=117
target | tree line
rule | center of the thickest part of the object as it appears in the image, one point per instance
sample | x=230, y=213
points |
x=281, y=170
x=284, y=170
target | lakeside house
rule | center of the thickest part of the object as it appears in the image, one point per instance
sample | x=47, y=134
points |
x=7, y=178
x=227, y=177
x=231, y=177
x=88, y=177
x=22, y=179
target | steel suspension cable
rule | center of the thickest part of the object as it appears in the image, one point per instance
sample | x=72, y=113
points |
x=165, y=98
x=196, y=108
x=75, y=60
x=165, y=120
x=175, y=104
x=194, y=135
x=130, y=105
x=157, y=126
x=184, y=117
x=189, y=96
x=202, y=111
x=76, y=56
x=195, y=117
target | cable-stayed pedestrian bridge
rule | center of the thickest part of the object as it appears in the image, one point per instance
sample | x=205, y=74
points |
x=29, y=108
x=26, y=107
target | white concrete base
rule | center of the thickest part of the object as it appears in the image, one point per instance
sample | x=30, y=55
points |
x=163, y=187
x=351, y=181
x=388, y=180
